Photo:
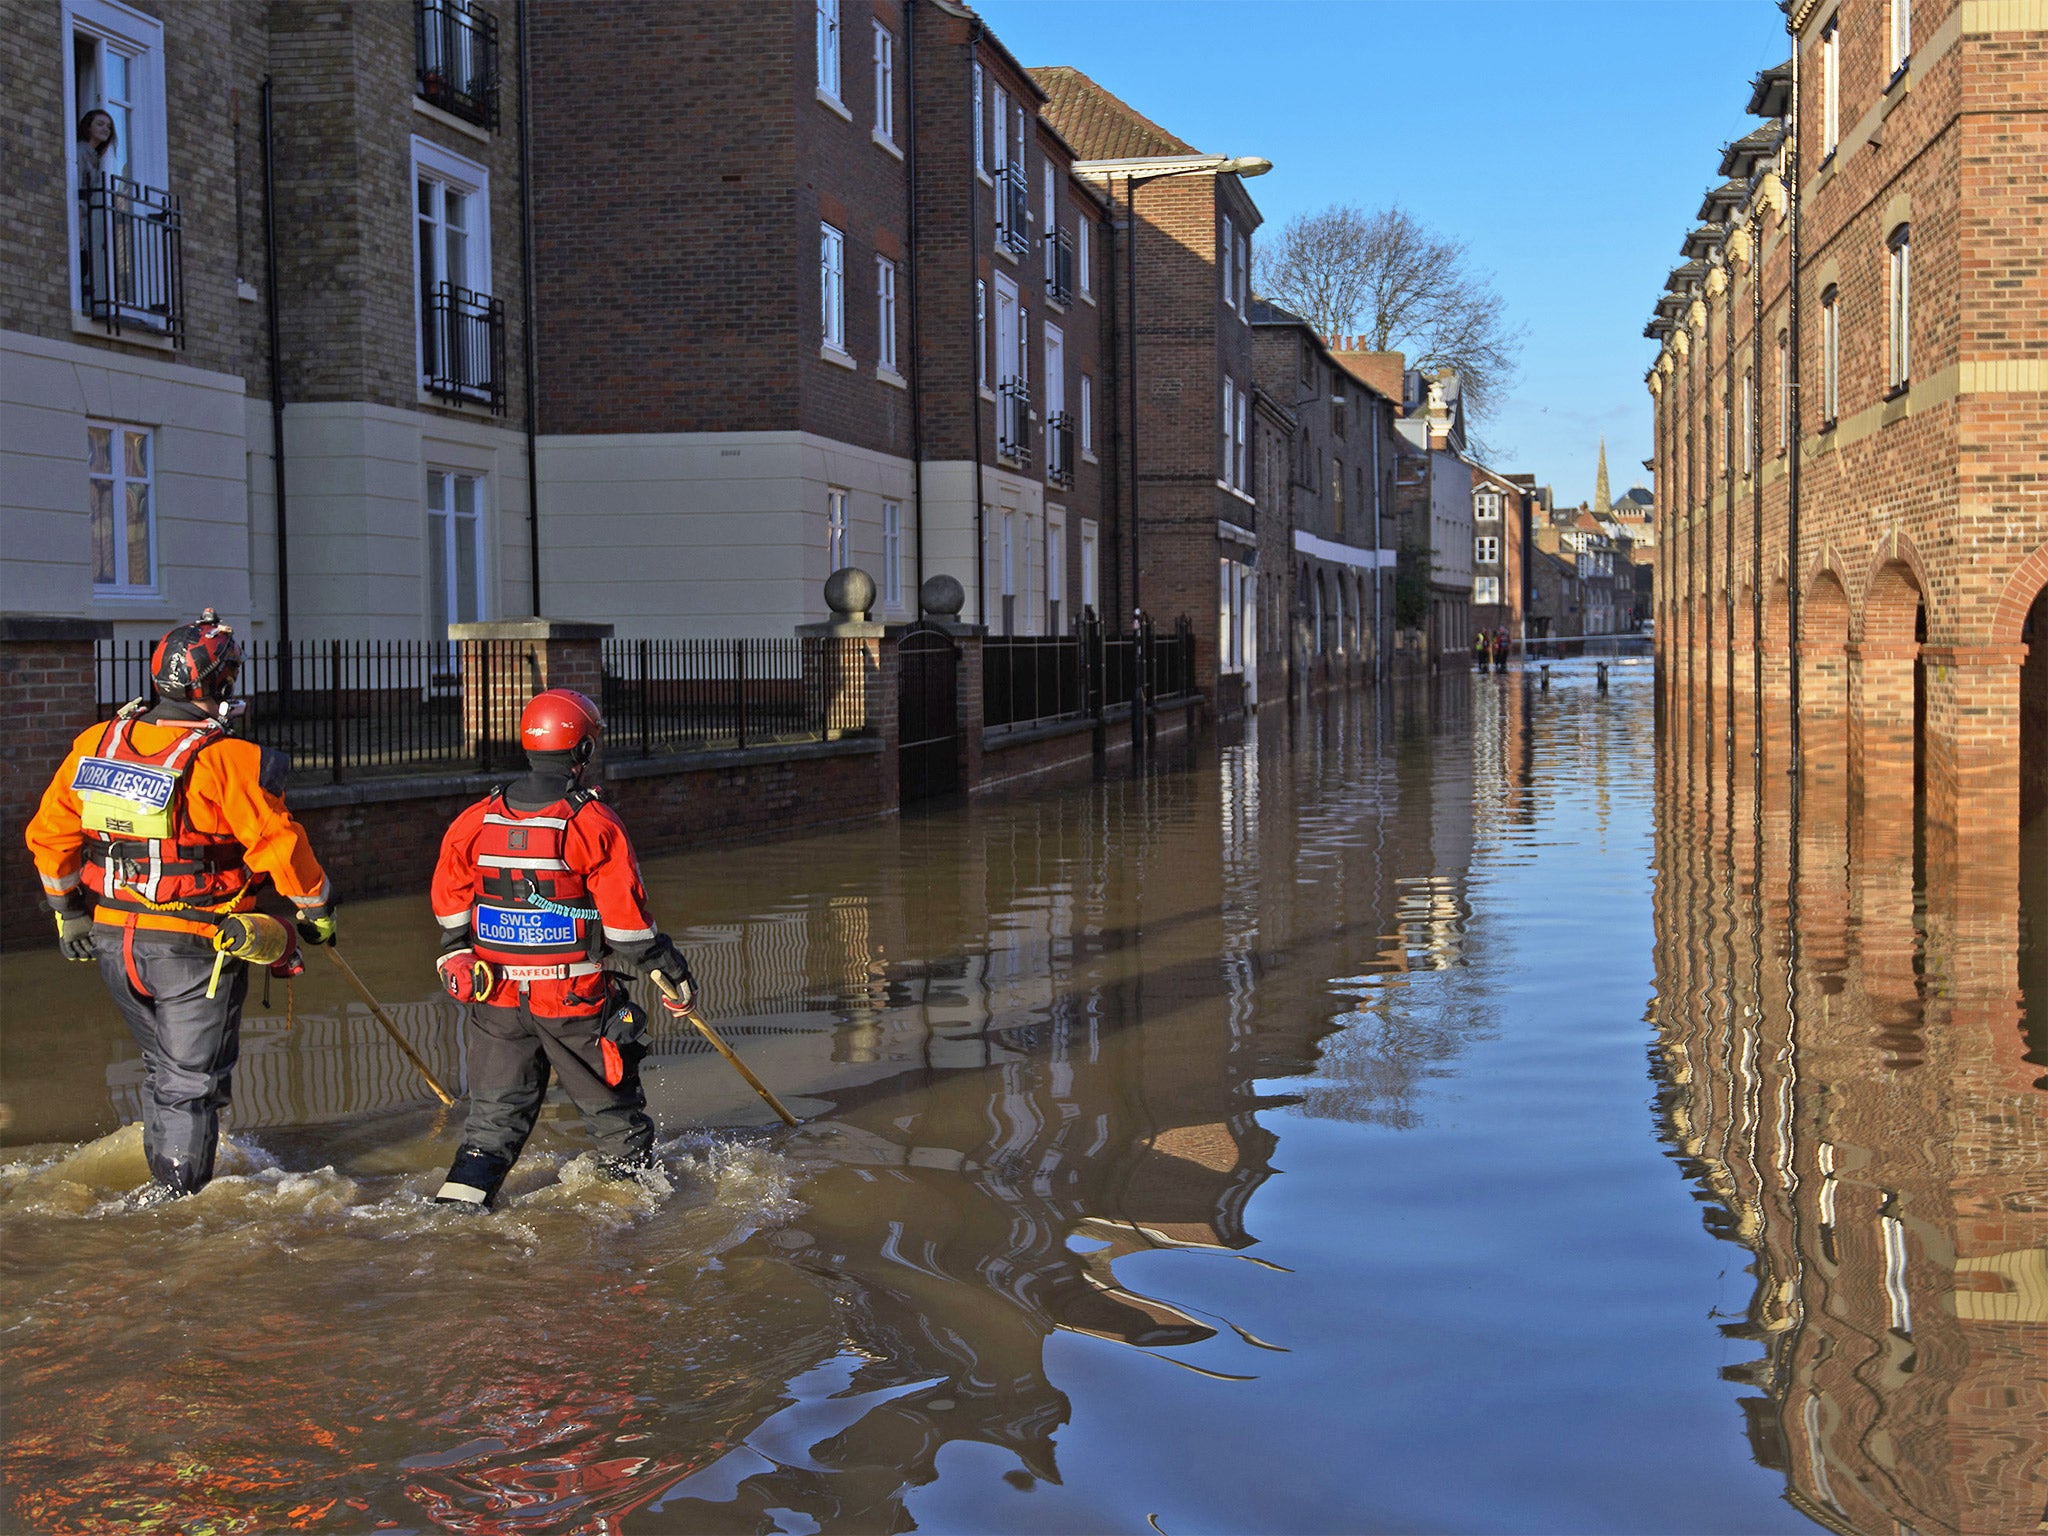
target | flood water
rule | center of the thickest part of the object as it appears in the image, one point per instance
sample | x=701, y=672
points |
x=1448, y=1114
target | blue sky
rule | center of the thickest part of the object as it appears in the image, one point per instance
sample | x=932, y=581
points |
x=1566, y=141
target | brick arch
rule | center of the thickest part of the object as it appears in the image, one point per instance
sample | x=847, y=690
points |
x=1777, y=607
x=2017, y=600
x=1824, y=615
x=1895, y=587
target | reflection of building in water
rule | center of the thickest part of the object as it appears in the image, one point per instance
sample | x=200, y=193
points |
x=1845, y=1078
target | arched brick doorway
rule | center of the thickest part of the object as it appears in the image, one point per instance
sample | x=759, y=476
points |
x=1887, y=691
x=2033, y=733
x=1824, y=688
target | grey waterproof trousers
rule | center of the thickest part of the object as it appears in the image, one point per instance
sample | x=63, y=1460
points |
x=511, y=1051
x=189, y=1041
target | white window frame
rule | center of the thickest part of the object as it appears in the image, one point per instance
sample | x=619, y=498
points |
x=1055, y=343
x=1229, y=421
x=832, y=287
x=1486, y=549
x=1229, y=252
x=980, y=126
x=141, y=39
x=441, y=520
x=999, y=102
x=1091, y=566
x=1084, y=261
x=432, y=163
x=981, y=333
x=1784, y=389
x=1831, y=354
x=1238, y=461
x=838, y=531
x=885, y=84
x=892, y=554
x=1485, y=589
x=1006, y=567
x=885, y=314
x=1898, y=265
x=1086, y=435
x=1892, y=1241
x=1228, y=658
x=1486, y=507
x=1830, y=86
x=1052, y=220
x=119, y=483
x=828, y=49
x=1902, y=34
x=1748, y=422
x=1244, y=276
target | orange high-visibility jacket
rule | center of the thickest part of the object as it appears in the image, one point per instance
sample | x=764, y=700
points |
x=221, y=796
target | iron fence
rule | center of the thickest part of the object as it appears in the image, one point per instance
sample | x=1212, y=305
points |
x=1032, y=679
x=1013, y=209
x=1059, y=266
x=463, y=346
x=131, y=269
x=456, y=59
x=704, y=695
x=348, y=709
x=1013, y=419
x=1059, y=450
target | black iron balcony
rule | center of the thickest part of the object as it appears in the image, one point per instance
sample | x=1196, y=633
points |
x=1059, y=266
x=1013, y=420
x=462, y=346
x=1013, y=210
x=1059, y=450
x=131, y=270
x=456, y=50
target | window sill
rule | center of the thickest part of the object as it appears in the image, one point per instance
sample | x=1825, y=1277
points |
x=987, y=394
x=450, y=121
x=1005, y=252
x=481, y=409
x=1088, y=457
x=125, y=596
x=982, y=176
x=883, y=142
x=1087, y=298
x=1827, y=426
x=1898, y=389
x=1226, y=486
x=891, y=377
x=1899, y=77
x=826, y=98
x=1058, y=306
x=83, y=324
x=837, y=358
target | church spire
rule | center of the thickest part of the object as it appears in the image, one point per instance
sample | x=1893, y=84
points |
x=1601, y=504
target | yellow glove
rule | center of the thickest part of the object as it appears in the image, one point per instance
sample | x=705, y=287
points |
x=316, y=925
x=74, y=936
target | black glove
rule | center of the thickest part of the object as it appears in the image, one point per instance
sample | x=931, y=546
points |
x=74, y=934
x=660, y=954
x=316, y=924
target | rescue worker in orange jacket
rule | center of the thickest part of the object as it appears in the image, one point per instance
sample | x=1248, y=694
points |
x=541, y=909
x=159, y=824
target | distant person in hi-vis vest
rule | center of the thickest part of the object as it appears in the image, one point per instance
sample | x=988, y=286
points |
x=542, y=911
x=153, y=842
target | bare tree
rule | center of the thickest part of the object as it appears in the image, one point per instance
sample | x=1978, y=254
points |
x=1400, y=285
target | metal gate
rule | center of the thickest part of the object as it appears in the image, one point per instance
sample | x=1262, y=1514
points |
x=928, y=715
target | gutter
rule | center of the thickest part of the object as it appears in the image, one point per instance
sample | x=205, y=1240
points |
x=277, y=477
x=526, y=317
x=916, y=371
x=981, y=347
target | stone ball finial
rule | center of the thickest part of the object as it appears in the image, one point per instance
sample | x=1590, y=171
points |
x=942, y=596
x=850, y=593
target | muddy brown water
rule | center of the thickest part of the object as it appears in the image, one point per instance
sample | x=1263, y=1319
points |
x=1408, y=1118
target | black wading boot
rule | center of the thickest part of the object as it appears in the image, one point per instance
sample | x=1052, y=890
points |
x=473, y=1180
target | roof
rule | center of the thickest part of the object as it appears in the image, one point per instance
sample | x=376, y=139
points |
x=1683, y=277
x=1703, y=240
x=1740, y=158
x=1098, y=125
x=1770, y=93
x=1731, y=194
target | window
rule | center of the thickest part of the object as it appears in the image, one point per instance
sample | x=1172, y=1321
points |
x=121, y=497
x=838, y=548
x=1001, y=130
x=828, y=47
x=1337, y=495
x=1052, y=224
x=1087, y=415
x=1784, y=389
x=981, y=332
x=1229, y=426
x=1227, y=251
x=1084, y=262
x=1900, y=293
x=892, y=554
x=1902, y=34
x=1830, y=87
x=832, y=285
x=460, y=326
x=885, y=314
x=1748, y=423
x=1090, y=596
x=1892, y=1234
x=1244, y=275
x=1486, y=506
x=980, y=125
x=885, y=83
x=124, y=223
x=1485, y=589
x=455, y=48
x=1830, y=356
x=1227, y=658
x=1486, y=550
x=1055, y=573
x=1244, y=401
x=454, y=550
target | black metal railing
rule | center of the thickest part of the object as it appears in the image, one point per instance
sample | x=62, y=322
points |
x=1029, y=678
x=1169, y=661
x=1013, y=210
x=456, y=59
x=1013, y=420
x=131, y=269
x=350, y=709
x=708, y=695
x=462, y=346
x=1059, y=450
x=1059, y=266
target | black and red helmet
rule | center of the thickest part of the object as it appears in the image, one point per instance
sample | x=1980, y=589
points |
x=198, y=662
x=561, y=720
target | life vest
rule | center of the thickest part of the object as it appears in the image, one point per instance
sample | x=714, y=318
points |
x=529, y=915
x=142, y=852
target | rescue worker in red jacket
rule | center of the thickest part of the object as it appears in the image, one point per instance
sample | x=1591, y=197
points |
x=158, y=824
x=541, y=909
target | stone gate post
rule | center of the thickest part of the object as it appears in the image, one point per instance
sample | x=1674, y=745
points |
x=505, y=662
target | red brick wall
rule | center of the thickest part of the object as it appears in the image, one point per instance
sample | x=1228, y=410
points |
x=46, y=696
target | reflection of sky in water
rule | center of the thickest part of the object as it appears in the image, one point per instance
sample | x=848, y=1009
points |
x=1266, y=1143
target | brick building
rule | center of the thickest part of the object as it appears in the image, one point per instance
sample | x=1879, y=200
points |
x=1196, y=530
x=880, y=340
x=1432, y=501
x=1338, y=478
x=1858, y=539
x=1500, y=538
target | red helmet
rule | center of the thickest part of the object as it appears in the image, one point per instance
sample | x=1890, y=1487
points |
x=561, y=720
x=198, y=661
